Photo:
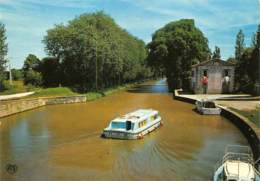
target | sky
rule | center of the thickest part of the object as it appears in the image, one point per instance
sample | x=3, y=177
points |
x=27, y=21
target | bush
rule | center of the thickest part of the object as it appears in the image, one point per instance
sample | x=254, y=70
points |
x=34, y=78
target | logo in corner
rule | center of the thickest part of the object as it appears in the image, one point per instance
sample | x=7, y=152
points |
x=11, y=168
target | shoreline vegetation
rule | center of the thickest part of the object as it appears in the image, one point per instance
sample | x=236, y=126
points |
x=18, y=87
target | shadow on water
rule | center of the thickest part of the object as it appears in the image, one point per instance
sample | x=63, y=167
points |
x=159, y=86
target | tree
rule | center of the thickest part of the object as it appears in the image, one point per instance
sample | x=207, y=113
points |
x=31, y=62
x=31, y=72
x=258, y=36
x=253, y=40
x=17, y=74
x=3, y=53
x=240, y=45
x=243, y=72
x=50, y=69
x=175, y=47
x=216, y=53
x=95, y=53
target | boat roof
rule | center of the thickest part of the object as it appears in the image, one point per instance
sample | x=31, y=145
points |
x=206, y=100
x=136, y=115
x=238, y=169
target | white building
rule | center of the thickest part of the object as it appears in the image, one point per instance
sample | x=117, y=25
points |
x=220, y=75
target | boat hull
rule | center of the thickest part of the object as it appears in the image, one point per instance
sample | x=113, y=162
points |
x=209, y=111
x=128, y=135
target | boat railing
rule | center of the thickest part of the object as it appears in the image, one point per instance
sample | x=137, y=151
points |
x=257, y=173
x=238, y=149
x=230, y=156
x=238, y=153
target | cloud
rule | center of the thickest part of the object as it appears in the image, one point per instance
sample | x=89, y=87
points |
x=27, y=20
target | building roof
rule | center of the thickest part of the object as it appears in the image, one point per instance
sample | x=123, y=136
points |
x=218, y=62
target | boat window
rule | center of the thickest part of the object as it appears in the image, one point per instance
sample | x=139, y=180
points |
x=118, y=125
x=128, y=125
x=210, y=105
x=142, y=123
x=152, y=118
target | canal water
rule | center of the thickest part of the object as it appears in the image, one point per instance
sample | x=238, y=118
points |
x=62, y=142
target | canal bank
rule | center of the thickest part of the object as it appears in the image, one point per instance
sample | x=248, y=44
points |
x=250, y=131
x=62, y=142
x=17, y=105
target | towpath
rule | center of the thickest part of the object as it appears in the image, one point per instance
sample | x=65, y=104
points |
x=15, y=96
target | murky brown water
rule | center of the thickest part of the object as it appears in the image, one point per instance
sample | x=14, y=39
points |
x=63, y=142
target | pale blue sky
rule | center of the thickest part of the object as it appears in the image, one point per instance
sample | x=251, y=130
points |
x=27, y=20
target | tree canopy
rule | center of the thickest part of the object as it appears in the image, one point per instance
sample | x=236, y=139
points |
x=31, y=72
x=3, y=53
x=175, y=47
x=240, y=45
x=94, y=52
x=216, y=53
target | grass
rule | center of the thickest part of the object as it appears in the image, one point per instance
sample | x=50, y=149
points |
x=19, y=87
x=16, y=87
x=252, y=115
x=53, y=92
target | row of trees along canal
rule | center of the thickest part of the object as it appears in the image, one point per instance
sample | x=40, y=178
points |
x=92, y=52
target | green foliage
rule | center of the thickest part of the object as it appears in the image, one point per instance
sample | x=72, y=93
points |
x=243, y=72
x=95, y=53
x=50, y=69
x=3, y=53
x=175, y=47
x=34, y=78
x=31, y=72
x=258, y=36
x=16, y=87
x=253, y=40
x=17, y=74
x=31, y=63
x=57, y=91
x=216, y=53
x=240, y=45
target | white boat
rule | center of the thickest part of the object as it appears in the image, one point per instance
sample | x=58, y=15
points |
x=133, y=125
x=236, y=165
x=209, y=107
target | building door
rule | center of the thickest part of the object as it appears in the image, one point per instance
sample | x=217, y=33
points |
x=215, y=81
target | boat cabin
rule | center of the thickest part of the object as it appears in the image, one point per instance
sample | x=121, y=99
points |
x=134, y=120
x=133, y=125
x=237, y=171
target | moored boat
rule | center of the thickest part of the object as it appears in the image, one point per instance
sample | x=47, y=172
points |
x=236, y=165
x=208, y=107
x=133, y=125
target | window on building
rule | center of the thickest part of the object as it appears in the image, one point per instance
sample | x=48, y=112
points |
x=205, y=72
x=192, y=73
x=226, y=72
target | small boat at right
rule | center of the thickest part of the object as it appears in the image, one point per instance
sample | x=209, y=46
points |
x=236, y=165
x=207, y=107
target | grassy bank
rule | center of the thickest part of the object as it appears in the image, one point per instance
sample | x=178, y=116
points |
x=65, y=91
x=251, y=115
x=16, y=87
x=19, y=87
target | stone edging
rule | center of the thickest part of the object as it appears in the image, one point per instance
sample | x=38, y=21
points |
x=11, y=107
x=249, y=130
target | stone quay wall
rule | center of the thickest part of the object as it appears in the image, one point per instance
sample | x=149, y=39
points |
x=249, y=130
x=10, y=107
